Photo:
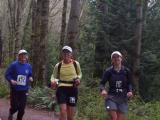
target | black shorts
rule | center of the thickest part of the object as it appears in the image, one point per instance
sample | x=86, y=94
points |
x=67, y=95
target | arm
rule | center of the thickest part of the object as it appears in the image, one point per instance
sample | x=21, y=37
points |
x=54, y=77
x=9, y=74
x=129, y=84
x=103, y=81
x=129, y=81
x=30, y=73
x=79, y=73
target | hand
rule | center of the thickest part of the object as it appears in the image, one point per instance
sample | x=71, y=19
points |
x=129, y=94
x=77, y=82
x=13, y=82
x=31, y=79
x=104, y=93
x=54, y=84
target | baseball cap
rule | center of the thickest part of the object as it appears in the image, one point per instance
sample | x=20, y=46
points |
x=22, y=52
x=117, y=53
x=67, y=48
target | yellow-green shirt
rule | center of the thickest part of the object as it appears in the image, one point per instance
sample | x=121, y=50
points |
x=67, y=73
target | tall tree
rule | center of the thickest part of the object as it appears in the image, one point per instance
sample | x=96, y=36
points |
x=0, y=46
x=34, y=37
x=17, y=24
x=44, y=39
x=16, y=8
x=73, y=24
x=16, y=16
x=63, y=24
x=113, y=19
x=137, y=43
x=150, y=60
x=26, y=35
x=11, y=25
x=40, y=13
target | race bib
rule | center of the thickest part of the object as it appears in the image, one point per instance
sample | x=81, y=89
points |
x=21, y=80
x=72, y=100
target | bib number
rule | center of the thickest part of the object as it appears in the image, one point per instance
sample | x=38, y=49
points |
x=21, y=80
x=72, y=100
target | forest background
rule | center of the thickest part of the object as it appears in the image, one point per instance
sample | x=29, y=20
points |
x=94, y=29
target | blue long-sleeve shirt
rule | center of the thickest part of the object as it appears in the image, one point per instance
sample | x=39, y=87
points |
x=119, y=82
x=19, y=72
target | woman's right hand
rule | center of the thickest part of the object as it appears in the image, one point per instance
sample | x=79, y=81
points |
x=104, y=93
x=54, y=84
x=13, y=82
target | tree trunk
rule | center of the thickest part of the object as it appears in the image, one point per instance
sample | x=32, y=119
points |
x=73, y=24
x=35, y=39
x=17, y=38
x=137, y=45
x=0, y=47
x=40, y=13
x=15, y=8
x=26, y=26
x=11, y=24
x=43, y=40
x=63, y=24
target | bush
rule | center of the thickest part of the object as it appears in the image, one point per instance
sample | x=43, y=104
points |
x=91, y=106
x=139, y=110
x=41, y=98
x=4, y=90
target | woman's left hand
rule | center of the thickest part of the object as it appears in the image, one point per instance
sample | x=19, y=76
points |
x=77, y=82
x=129, y=94
x=30, y=79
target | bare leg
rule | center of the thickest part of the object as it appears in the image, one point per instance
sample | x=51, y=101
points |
x=63, y=112
x=120, y=116
x=112, y=115
x=70, y=112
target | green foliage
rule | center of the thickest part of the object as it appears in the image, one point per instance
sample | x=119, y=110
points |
x=139, y=110
x=121, y=26
x=150, y=76
x=4, y=90
x=41, y=98
x=52, y=53
x=109, y=26
x=113, y=30
x=91, y=106
x=104, y=31
x=87, y=45
x=150, y=67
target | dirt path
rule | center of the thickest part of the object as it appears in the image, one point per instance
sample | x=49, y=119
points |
x=30, y=114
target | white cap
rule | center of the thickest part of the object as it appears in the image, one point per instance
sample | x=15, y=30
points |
x=117, y=53
x=67, y=48
x=22, y=52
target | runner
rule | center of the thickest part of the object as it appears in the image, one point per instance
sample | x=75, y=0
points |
x=120, y=88
x=66, y=78
x=18, y=74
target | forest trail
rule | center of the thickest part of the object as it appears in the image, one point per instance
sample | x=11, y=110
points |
x=30, y=114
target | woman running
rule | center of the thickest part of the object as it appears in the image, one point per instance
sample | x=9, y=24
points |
x=120, y=88
x=66, y=78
